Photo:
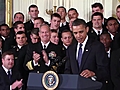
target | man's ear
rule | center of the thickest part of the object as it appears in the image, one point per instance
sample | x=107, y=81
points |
x=102, y=10
x=107, y=27
x=87, y=28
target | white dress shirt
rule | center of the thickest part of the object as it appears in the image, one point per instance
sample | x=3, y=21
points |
x=83, y=46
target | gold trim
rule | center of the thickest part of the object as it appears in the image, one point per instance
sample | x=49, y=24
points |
x=8, y=12
x=29, y=65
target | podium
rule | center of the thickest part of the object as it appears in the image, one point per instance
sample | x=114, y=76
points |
x=66, y=82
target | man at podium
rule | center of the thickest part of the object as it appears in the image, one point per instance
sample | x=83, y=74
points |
x=87, y=57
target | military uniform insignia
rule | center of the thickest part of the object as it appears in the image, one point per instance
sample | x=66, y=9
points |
x=17, y=49
x=52, y=54
x=16, y=57
x=38, y=71
x=63, y=48
x=92, y=31
x=86, y=50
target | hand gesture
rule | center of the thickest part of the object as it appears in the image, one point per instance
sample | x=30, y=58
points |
x=36, y=56
x=17, y=84
x=45, y=57
x=87, y=73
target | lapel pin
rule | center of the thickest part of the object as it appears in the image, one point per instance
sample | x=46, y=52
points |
x=92, y=31
x=86, y=50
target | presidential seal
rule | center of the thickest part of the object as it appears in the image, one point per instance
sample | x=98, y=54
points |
x=50, y=80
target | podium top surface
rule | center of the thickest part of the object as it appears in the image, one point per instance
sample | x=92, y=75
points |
x=66, y=82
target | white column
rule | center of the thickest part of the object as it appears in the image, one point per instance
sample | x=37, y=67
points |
x=83, y=7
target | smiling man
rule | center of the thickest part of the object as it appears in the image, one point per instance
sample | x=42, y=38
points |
x=38, y=57
x=10, y=78
x=97, y=29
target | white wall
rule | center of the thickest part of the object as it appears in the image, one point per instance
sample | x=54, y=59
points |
x=83, y=7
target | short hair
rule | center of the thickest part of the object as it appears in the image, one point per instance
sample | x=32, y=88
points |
x=32, y=6
x=66, y=30
x=78, y=22
x=15, y=25
x=4, y=25
x=55, y=15
x=44, y=25
x=53, y=31
x=20, y=32
x=62, y=7
x=97, y=14
x=118, y=7
x=111, y=18
x=7, y=53
x=35, y=31
x=72, y=9
x=39, y=18
x=19, y=13
x=97, y=5
x=106, y=33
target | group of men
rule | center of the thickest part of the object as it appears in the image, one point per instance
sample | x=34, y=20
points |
x=90, y=48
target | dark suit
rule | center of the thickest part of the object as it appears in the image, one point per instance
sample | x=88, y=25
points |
x=92, y=34
x=116, y=42
x=0, y=59
x=15, y=50
x=65, y=27
x=4, y=80
x=94, y=59
x=29, y=26
x=115, y=69
x=37, y=47
x=19, y=65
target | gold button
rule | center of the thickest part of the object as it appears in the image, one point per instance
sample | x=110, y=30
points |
x=38, y=72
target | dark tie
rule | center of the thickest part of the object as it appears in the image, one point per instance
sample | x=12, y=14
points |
x=62, y=25
x=9, y=75
x=80, y=54
x=44, y=47
x=98, y=33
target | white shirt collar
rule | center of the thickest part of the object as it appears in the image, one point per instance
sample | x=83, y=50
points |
x=3, y=38
x=97, y=31
x=112, y=36
x=65, y=46
x=45, y=44
x=118, y=20
x=64, y=23
x=32, y=20
x=109, y=52
x=83, y=46
x=19, y=46
x=6, y=70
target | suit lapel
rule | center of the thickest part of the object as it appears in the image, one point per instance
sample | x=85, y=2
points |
x=75, y=63
x=86, y=53
x=5, y=75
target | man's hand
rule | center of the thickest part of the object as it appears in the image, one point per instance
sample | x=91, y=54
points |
x=87, y=73
x=17, y=84
x=20, y=83
x=45, y=57
x=36, y=57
